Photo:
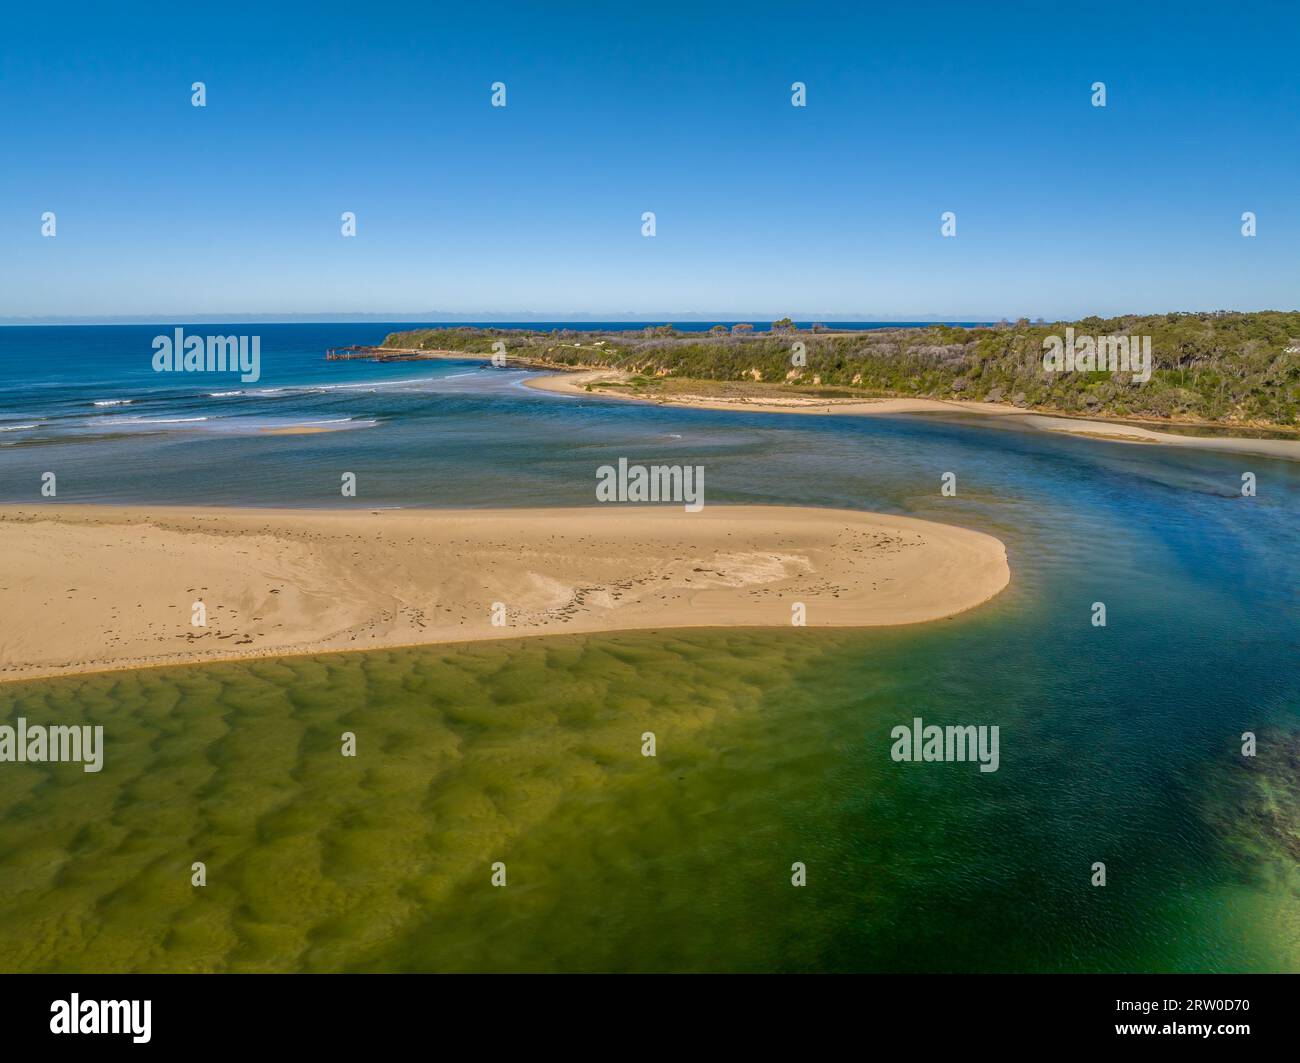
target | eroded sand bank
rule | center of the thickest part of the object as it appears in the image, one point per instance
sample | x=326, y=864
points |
x=88, y=588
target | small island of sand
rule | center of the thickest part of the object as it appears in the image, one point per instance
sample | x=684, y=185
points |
x=90, y=588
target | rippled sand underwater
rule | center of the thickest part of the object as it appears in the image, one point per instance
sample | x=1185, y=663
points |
x=772, y=747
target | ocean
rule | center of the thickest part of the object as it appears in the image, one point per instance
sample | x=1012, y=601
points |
x=1119, y=744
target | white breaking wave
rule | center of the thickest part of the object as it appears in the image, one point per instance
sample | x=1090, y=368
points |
x=158, y=420
x=112, y=402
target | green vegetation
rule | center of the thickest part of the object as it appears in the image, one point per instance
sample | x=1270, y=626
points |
x=1224, y=367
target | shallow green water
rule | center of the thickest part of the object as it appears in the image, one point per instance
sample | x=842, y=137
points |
x=772, y=748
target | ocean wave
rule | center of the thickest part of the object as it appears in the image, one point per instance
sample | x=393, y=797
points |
x=157, y=420
x=287, y=390
x=365, y=422
x=376, y=383
x=112, y=402
x=20, y=427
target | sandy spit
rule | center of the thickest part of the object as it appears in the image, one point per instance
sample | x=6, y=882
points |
x=575, y=383
x=92, y=588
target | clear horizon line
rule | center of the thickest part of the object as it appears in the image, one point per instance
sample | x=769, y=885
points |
x=442, y=317
x=449, y=319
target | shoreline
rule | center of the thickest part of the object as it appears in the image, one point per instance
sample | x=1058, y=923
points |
x=90, y=588
x=574, y=383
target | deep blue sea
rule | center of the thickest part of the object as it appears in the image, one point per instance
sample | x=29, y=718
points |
x=85, y=402
x=84, y=383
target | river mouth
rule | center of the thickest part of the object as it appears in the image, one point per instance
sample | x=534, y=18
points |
x=1118, y=744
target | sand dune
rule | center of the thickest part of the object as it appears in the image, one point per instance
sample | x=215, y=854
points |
x=87, y=588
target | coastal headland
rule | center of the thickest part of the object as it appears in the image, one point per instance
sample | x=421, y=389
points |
x=1221, y=381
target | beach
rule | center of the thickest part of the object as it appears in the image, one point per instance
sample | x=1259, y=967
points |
x=91, y=588
x=599, y=381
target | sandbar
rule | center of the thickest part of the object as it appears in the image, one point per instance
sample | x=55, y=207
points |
x=93, y=588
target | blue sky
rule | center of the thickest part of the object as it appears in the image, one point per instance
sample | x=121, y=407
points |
x=832, y=210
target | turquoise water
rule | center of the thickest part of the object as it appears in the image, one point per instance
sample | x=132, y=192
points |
x=1118, y=744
